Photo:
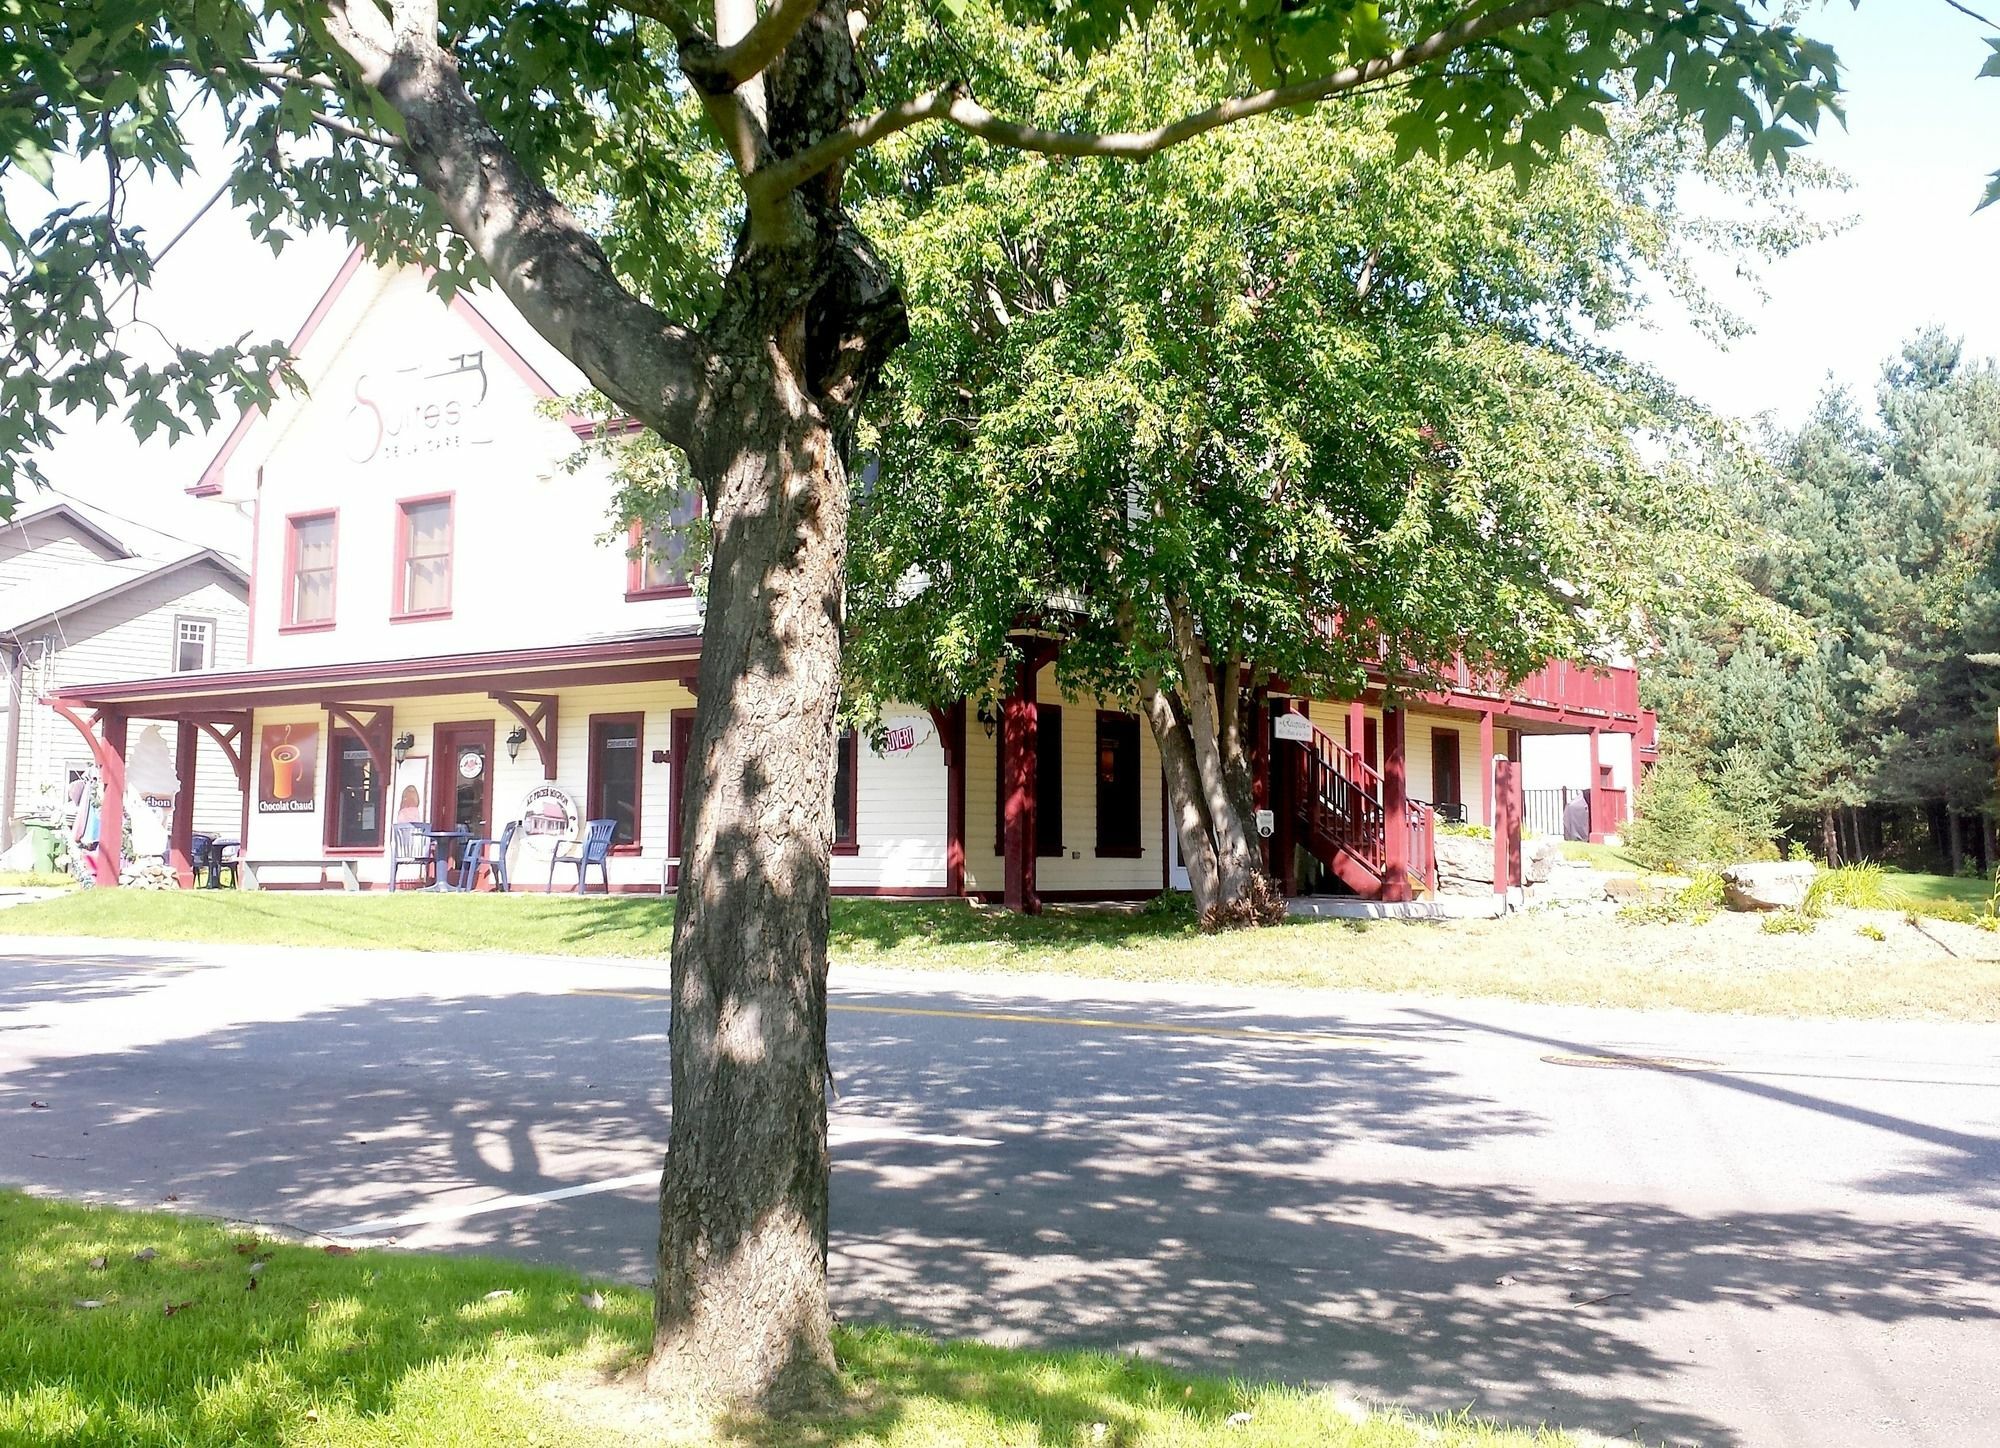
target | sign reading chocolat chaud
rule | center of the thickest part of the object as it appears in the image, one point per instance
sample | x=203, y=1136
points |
x=287, y=768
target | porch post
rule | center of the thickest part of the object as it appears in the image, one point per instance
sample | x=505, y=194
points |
x=111, y=818
x=1357, y=729
x=1019, y=733
x=1258, y=724
x=1507, y=820
x=1283, y=793
x=1395, y=808
x=1599, y=801
x=180, y=838
x=1487, y=816
x=954, y=800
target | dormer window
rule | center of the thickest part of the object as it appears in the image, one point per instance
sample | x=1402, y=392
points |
x=309, y=570
x=423, y=557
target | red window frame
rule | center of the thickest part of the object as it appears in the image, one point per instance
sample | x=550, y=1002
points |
x=398, y=583
x=847, y=752
x=594, y=782
x=287, y=613
x=635, y=561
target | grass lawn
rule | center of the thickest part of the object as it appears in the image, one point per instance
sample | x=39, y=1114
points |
x=383, y=1347
x=1602, y=857
x=1940, y=971
x=34, y=880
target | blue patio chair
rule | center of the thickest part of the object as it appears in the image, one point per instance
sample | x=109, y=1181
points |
x=492, y=854
x=408, y=845
x=593, y=849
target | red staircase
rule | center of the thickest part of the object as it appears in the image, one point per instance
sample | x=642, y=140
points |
x=1340, y=819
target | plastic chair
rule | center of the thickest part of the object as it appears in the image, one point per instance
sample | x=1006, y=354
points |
x=492, y=854
x=593, y=849
x=409, y=846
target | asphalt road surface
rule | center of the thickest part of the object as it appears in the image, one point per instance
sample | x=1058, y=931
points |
x=1678, y=1228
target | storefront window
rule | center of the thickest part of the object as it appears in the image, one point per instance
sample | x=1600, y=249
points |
x=357, y=795
x=845, y=803
x=1117, y=784
x=615, y=751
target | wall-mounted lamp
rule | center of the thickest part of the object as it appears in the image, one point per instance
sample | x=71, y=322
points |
x=516, y=737
x=986, y=720
x=405, y=742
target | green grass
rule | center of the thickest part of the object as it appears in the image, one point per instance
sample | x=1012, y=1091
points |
x=380, y=1347
x=1924, y=893
x=1643, y=962
x=1602, y=857
x=35, y=880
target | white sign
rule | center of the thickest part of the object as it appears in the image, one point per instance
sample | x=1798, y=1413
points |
x=1267, y=823
x=471, y=764
x=550, y=813
x=901, y=735
x=1295, y=728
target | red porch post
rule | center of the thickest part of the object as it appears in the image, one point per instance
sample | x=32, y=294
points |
x=1019, y=734
x=1395, y=808
x=180, y=838
x=110, y=857
x=1258, y=726
x=1357, y=729
x=1600, y=799
x=1507, y=819
x=953, y=733
x=1487, y=816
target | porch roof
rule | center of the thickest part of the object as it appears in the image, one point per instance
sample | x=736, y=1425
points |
x=603, y=660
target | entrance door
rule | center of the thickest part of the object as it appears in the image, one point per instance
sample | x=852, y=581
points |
x=462, y=783
x=680, y=745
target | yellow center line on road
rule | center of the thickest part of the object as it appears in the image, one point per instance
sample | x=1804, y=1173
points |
x=1024, y=1018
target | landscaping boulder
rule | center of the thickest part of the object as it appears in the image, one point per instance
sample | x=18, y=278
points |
x=1465, y=865
x=1539, y=858
x=1767, y=885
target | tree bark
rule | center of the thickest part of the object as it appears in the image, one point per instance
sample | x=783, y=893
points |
x=1235, y=867
x=1186, y=802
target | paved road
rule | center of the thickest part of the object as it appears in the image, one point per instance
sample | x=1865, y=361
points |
x=1793, y=1240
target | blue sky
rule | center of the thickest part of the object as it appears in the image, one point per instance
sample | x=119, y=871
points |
x=1922, y=136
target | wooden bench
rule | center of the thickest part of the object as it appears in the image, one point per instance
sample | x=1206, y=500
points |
x=350, y=878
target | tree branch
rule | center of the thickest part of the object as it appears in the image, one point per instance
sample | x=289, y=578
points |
x=958, y=108
x=540, y=256
x=755, y=49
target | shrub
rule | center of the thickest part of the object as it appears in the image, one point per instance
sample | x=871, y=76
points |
x=1471, y=832
x=1262, y=904
x=1788, y=922
x=1694, y=904
x=1873, y=932
x=1680, y=825
x=1856, y=887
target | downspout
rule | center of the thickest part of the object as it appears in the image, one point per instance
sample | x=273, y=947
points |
x=10, y=754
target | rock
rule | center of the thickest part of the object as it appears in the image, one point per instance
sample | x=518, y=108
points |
x=1768, y=885
x=1465, y=865
x=1538, y=860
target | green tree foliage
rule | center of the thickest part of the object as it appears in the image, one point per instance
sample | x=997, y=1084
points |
x=1318, y=380
x=1882, y=538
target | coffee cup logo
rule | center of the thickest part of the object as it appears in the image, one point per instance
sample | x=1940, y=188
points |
x=284, y=770
x=288, y=762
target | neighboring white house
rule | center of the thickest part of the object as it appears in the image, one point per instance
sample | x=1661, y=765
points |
x=86, y=595
x=447, y=628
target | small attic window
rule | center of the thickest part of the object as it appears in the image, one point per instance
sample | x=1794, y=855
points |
x=194, y=644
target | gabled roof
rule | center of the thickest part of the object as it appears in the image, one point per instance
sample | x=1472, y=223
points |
x=512, y=349
x=89, y=585
x=141, y=553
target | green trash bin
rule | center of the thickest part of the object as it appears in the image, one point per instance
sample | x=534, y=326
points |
x=42, y=846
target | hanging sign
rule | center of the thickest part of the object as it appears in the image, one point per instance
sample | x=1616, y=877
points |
x=1294, y=728
x=903, y=735
x=550, y=813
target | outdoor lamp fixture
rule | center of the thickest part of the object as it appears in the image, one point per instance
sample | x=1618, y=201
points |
x=405, y=742
x=516, y=737
x=986, y=720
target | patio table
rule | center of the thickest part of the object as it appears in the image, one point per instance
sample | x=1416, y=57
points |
x=441, y=862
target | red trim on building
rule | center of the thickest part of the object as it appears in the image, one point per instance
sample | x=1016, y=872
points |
x=593, y=803
x=287, y=622
x=399, y=594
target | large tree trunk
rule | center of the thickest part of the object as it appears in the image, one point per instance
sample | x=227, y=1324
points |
x=741, y=1303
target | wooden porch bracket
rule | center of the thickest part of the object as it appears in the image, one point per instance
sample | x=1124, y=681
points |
x=231, y=733
x=104, y=733
x=535, y=713
x=374, y=726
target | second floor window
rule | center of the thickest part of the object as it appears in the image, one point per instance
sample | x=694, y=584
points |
x=664, y=556
x=423, y=546
x=309, y=589
x=194, y=641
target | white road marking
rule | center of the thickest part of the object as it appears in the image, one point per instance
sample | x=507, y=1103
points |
x=839, y=1133
x=433, y=1215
